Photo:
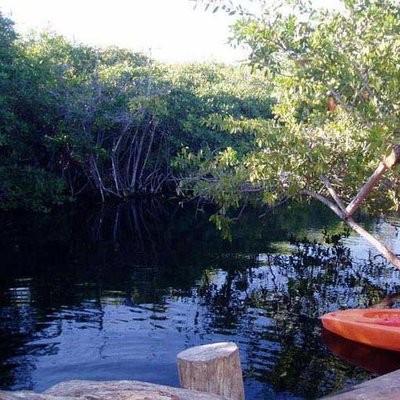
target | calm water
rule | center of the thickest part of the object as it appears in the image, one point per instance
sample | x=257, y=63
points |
x=117, y=293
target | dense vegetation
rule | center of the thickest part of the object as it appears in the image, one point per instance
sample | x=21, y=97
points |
x=104, y=123
x=336, y=81
x=314, y=118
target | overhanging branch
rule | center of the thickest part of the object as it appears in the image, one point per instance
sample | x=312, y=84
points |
x=391, y=257
x=387, y=163
x=334, y=195
x=325, y=201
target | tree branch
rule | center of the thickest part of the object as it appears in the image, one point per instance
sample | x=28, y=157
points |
x=391, y=257
x=325, y=201
x=334, y=195
x=387, y=163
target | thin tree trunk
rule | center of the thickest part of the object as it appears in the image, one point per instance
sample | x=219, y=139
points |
x=345, y=213
x=387, y=163
x=149, y=147
x=360, y=230
x=135, y=171
x=391, y=257
x=97, y=177
x=130, y=150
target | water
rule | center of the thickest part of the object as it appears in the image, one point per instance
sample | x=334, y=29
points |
x=117, y=293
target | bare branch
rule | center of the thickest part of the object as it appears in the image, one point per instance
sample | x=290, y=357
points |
x=334, y=195
x=240, y=212
x=387, y=163
x=325, y=201
x=391, y=257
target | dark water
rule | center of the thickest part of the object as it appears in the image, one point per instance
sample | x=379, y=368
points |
x=117, y=293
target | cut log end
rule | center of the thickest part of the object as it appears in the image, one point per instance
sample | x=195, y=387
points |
x=208, y=352
x=212, y=368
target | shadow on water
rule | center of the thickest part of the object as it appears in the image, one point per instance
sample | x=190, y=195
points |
x=116, y=293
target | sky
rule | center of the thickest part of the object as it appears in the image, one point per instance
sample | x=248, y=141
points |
x=168, y=30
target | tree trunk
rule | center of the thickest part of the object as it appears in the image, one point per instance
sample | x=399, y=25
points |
x=387, y=163
x=345, y=213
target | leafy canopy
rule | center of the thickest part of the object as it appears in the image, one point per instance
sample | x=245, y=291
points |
x=76, y=120
x=336, y=79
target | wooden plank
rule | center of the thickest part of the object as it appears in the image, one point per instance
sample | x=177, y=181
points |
x=385, y=387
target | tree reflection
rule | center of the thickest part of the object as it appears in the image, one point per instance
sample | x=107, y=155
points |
x=279, y=304
x=262, y=290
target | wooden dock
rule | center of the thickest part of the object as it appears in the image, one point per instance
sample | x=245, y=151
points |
x=385, y=387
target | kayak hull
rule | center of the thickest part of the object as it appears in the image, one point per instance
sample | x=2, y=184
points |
x=373, y=327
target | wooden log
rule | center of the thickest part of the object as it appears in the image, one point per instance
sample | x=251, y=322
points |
x=212, y=368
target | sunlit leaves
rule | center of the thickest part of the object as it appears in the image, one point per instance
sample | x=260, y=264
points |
x=336, y=77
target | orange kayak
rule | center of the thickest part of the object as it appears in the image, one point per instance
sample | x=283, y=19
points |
x=374, y=327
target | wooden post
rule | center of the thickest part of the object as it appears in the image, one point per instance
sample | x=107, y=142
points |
x=212, y=368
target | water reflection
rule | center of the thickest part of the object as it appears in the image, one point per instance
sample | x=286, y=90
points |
x=276, y=307
x=117, y=293
x=374, y=360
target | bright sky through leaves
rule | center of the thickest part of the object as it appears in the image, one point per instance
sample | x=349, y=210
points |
x=169, y=30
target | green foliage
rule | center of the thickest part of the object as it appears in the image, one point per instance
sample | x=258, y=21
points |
x=108, y=122
x=336, y=81
x=322, y=100
x=29, y=188
x=204, y=93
